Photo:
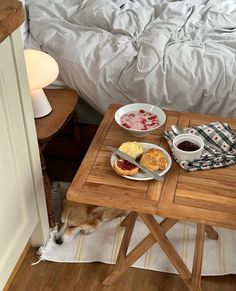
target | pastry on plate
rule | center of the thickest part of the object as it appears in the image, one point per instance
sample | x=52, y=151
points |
x=153, y=159
x=162, y=162
x=132, y=148
x=123, y=167
x=155, y=152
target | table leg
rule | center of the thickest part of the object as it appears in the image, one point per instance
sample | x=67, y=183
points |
x=168, y=249
x=126, y=220
x=130, y=223
x=157, y=234
x=137, y=252
x=198, y=255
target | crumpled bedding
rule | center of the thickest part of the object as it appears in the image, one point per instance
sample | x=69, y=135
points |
x=179, y=55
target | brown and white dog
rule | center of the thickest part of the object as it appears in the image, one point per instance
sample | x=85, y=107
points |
x=84, y=218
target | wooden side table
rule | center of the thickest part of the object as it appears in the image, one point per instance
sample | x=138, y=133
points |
x=63, y=102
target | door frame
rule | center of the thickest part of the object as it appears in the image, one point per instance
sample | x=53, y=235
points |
x=41, y=231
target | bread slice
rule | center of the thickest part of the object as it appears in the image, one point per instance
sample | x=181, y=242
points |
x=123, y=167
x=132, y=148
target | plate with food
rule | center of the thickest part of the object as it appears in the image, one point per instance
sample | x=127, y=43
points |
x=150, y=156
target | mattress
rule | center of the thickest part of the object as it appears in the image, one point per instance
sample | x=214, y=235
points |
x=178, y=55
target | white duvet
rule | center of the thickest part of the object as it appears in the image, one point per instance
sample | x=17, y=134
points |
x=178, y=55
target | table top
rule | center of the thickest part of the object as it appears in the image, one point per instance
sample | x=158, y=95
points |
x=63, y=102
x=207, y=196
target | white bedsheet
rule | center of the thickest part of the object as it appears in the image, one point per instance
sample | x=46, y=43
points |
x=178, y=55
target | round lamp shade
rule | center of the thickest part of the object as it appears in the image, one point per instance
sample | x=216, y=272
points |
x=42, y=69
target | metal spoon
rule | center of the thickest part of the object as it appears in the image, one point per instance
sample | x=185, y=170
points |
x=177, y=130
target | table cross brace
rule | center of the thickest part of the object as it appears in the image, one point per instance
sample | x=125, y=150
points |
x=158, y=235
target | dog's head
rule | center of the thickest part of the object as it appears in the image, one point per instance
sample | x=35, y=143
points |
x=65, y=232
x=84, y=218
x=68, y=222
x=75, y=218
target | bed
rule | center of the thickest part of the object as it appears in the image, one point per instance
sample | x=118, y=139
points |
x=179, y=55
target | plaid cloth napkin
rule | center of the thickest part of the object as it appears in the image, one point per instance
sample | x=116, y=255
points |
x=219, y=150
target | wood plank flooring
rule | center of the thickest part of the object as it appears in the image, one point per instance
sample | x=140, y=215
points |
x=88, y=277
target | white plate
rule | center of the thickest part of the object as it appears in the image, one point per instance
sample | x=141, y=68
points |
x=141, y=176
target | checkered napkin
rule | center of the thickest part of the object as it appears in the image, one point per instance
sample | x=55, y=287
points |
x=219, y=150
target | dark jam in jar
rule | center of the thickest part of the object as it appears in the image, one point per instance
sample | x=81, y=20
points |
x=188, y=146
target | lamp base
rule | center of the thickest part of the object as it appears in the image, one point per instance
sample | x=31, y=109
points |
x=40, y=103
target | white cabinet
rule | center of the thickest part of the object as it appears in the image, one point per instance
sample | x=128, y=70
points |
x=22, y=200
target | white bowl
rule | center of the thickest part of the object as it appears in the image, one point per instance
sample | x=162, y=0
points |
x=182, y=155
x=161, y=116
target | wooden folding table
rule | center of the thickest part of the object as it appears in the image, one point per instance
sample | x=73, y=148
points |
x=204, y=197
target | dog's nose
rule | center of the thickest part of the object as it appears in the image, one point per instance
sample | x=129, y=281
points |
x=59, y=241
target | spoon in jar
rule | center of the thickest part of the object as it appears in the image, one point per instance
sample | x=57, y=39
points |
x=177, y=130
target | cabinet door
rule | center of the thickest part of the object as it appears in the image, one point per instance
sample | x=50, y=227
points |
x=18, y=213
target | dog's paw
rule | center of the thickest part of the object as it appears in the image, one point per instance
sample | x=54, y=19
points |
x=87, y=231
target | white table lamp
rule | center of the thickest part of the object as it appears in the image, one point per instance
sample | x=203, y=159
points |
x=42, y=70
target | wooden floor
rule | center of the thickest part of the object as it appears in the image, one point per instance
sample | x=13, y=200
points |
x=86, y=277
x=63, y=156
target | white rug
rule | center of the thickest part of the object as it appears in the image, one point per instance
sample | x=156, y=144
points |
x=103, y=246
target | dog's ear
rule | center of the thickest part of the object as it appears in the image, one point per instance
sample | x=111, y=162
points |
x=98, y=211
x=67, y=216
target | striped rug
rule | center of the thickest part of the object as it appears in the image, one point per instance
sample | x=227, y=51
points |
x=103, y=246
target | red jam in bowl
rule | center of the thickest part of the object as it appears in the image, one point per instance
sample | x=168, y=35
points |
x=139, y=120
x=188, y=146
